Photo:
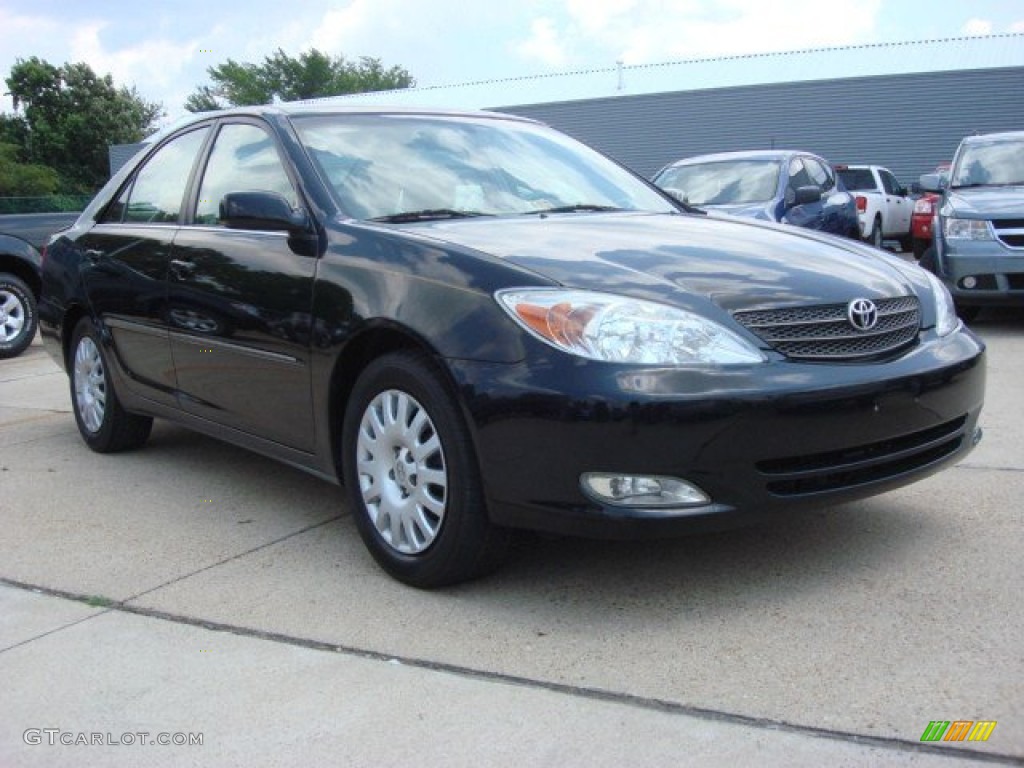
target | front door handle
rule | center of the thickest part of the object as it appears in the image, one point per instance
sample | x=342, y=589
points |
x=182, y=270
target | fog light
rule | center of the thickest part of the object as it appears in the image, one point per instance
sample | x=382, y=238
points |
x=970, y=282
x=641, y=490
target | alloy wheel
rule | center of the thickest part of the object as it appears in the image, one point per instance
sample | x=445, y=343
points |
x=90, y=384
x=401, y=468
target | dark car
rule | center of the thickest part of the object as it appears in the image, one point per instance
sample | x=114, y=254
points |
x=21, y=237
x=477, y=324
x=786, y=186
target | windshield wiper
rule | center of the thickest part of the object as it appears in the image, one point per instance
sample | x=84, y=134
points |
x=576, y=208
x=428, y=214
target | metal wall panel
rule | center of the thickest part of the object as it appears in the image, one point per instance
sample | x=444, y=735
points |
x=908, y=123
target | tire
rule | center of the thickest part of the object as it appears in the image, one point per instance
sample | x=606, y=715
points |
x=875, y=236
x=18, y=318
x=412, y=477
x=920, y=246
x=967, y=312
x=906, y=243
x=103, y=423
x=927, y=260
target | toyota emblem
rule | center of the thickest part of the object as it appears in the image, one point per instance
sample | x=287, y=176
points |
x=863, y=314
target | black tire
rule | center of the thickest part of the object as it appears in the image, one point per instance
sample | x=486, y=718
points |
x=920, y=246
x=401, y=425
x=927, y=260
x=18, y=320
x=906, y=243
x=875, y=235
x=967, y=312
x=104, y=424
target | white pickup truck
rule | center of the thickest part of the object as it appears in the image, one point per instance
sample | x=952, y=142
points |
x=883, y=207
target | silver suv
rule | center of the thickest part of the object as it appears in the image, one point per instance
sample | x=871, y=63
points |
x=979, y=228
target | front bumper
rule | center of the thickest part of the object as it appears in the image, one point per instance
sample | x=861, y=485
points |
x=982, y=272
x=758, y=440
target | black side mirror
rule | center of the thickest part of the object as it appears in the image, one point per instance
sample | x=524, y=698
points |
x=807, y=194
x=267, y=211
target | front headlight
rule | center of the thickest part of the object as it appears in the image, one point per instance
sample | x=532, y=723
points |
x=966, y=229
x=946, y=320
x=601, y=326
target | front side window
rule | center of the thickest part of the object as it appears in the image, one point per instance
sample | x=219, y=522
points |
x=158, y=190
x=382, y=166
x=730, y=182
x=798, y=176
x=243, y=159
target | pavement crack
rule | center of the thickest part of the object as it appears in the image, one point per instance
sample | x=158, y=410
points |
x=665, y=706
x=226, y=560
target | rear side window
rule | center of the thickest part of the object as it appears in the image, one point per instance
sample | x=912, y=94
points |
x=855, y=179
x=243, y=159
x=156, y=194
x=820, y=174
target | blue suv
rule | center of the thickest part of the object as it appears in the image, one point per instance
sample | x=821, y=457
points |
x=979, y=227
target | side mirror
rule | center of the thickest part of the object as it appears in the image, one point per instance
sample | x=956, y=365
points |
x=267, y=211
x=808, y=194
x=933, y=182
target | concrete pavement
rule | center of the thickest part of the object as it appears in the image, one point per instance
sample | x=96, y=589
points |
x=193, y=588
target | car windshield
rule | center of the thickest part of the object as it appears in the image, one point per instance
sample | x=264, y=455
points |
x=722, y=183
x=405, y=168
x=984, y=163
x=857, y=179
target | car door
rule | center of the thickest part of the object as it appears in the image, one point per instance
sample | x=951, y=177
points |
x=808, y=215
x=899, y=206
x=833, y=200
x=125, y=263
x=239, y=301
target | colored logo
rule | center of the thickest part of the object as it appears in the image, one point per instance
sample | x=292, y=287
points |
x=958, y=730
x=862, y=314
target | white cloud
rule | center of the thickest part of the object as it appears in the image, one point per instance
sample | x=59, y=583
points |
x=543, y=45
x=977, y=27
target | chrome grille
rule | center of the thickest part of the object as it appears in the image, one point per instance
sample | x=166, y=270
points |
x=824, y=332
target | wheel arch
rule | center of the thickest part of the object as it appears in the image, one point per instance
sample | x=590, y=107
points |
x=23, y=270
x=358, y=353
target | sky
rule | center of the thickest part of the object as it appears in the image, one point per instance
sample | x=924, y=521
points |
x=164, y=49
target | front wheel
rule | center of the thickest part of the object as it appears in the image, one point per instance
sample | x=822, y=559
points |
x=17, y=316
x=412, y=477
x=103, y=423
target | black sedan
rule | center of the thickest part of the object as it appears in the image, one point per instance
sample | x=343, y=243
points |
x=787, y=186
x=477, y=324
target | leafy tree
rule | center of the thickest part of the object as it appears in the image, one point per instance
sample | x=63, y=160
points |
x=68, y=116
x=19, y=179
x=281, y=77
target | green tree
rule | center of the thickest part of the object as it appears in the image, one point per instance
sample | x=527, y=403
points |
x=281, y=77
x=69, y=116
x=18, y=179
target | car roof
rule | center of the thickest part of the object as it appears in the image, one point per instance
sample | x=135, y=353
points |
x=749, y=154
x=983, y=137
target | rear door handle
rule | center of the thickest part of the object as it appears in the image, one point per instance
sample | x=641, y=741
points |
x=93, y=255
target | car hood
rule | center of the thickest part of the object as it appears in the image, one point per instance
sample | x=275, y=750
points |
x=985, y=202
x=734, y=263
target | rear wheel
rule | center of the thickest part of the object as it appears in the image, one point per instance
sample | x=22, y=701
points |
x=875, y=238
x=103, y=423
x=920, y=246
x=412, y=476
x=17, y=316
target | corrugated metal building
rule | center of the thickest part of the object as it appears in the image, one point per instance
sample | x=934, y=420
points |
x=903, y=105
